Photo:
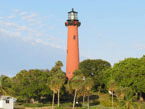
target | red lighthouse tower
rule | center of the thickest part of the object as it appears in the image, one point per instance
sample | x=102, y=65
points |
x=72, y=43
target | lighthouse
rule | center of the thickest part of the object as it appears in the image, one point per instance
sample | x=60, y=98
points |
x=72, y=59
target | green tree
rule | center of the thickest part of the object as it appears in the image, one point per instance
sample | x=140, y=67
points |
x=127, y=97
x=128, y=73
x=30, y=84
x=60, y=78
x=58, y=64
x=53, y=86
x=56, y=80
x=76, y=84
x=94, y=69
x=88, y=84
x=3, y=91
x=112, y=86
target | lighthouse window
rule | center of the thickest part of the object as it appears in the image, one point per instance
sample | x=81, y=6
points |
x=74, y=37
x=68, y=72
x=7, y=101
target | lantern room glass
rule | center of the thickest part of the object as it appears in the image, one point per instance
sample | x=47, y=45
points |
x=72, y=15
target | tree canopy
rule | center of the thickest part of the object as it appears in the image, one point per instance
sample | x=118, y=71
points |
x=128, y=73
x=94, y=69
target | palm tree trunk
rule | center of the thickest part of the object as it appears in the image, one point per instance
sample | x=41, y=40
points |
x=68, y=83
x=136, y=94
x=26, y=101
x=127, y=105
x=74, y=99
x=83, y=99
x=112, y=99
x=53, y=100
x=99, y=90
x=140, y=97
x=88, y=102
x=58, y=97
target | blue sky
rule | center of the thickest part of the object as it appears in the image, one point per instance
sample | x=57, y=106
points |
x=33, y=34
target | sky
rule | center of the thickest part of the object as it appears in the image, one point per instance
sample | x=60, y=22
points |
x=33, y=33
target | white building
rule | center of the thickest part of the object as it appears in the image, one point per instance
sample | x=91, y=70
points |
x=6, y=102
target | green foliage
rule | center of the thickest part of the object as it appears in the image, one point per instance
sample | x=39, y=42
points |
x=30, y=84
x=105, y=100
x=94, y=69
x=126, y=97
x=129, y=76
x=125, y=79
x=34, y=105
x=57, y=77
x=66, y=105
x=77, y=72
x=120, y=93
x=58, y=64
x=112, y=86
x=141, y=105
x=77, y=82
x=129, y=93
x=5, y=86
x=128, y=73
x=88, y=83
x=56, y=80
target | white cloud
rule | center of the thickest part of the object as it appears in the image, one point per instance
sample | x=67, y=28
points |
x=22, y=28
x=17, y=10
x=27, y=39
x=13, y=25
x=9, y=33
x=30, y=17
x=49, y=44
x=8, y=24
x=23, y=13
x=53, y=38
x=28, y=33
x=11, y=17
x=39, y=34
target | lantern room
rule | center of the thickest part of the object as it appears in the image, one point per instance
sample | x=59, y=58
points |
x=72, y=15
x=72, y=19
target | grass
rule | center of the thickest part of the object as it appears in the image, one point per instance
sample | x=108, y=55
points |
x=69, y=106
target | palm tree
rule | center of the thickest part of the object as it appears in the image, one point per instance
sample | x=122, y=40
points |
x=60, y=77
x=126, y=95
x=83, y=92
x=68, y=87
x=4, y=90
x=55, y=83
x=58, y=64
x=120, y=93
x=88, y=85
x=53, y=86
x=60, y=80
x=56, y=80
x=129, y=98
x=112, y=86
x=76, y=83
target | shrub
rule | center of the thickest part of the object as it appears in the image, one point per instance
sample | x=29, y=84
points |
x=66, y=105
x=33, y=105
x=105, y=100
